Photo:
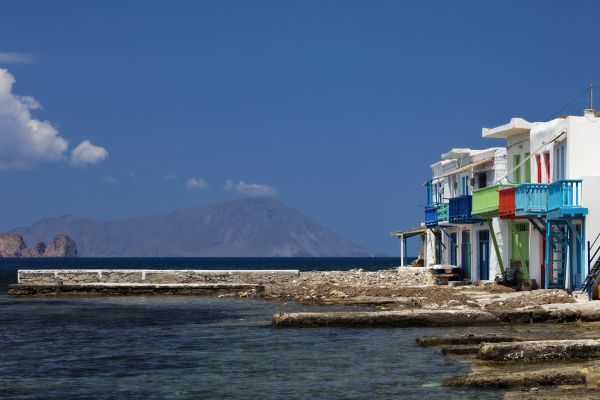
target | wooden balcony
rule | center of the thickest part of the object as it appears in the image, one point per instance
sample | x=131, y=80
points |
x=506, y=206
x=431, y=216
x=564, y=199
x=436, y=214
x=459, y=210
x=486, y=201
x=531, y=199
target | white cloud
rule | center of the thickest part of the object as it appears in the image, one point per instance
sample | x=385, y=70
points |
x=24, y=140
x=87, y=154
x=16, y=58
x=196, y=183
x=29, y=102
x=110, y=180
x=170, y=177
x=250, y=189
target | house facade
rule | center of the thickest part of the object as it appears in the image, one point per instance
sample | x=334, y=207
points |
x=454, y=235
x=554, y=203
x=530, y=206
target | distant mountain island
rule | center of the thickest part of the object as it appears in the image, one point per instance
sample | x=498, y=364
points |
x=257, y=227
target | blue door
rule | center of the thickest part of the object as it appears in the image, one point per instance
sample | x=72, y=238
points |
x=484, y=255
x=453, y=248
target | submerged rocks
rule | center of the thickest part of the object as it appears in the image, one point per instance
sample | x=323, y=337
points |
x=467, y=339
x=522, y=379
x=13, y=245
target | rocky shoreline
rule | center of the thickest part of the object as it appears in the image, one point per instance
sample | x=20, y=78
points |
x=566, y=363
x=558, y=360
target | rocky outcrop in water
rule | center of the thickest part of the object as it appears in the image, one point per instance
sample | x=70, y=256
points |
x=35, y=251
x=61, y=246
x=13, y=245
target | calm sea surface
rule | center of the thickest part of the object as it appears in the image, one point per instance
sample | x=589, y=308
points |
x=202, y=348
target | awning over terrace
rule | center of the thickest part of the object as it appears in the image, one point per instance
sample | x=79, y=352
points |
x=405, y=234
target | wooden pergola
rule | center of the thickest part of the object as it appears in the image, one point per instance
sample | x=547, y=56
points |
x=405, y=234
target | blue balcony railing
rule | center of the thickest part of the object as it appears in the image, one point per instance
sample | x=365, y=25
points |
x=432, y=195
x=564, y=197
x=531, y=199
x=564, y=193
x=460, y=210
x=431, y=216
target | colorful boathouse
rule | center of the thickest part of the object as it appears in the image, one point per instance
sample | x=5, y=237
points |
x=532, y=206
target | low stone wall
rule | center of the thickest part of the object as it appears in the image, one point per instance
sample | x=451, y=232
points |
x=83, y=276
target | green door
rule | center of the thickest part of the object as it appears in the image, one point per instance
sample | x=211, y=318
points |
x=465, y=254
x=520, y=247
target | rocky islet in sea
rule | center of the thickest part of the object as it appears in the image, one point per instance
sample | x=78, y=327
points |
x=13, y=245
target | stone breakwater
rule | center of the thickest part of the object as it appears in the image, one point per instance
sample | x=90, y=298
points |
x=243, y=283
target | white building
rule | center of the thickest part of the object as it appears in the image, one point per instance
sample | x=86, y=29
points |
x=557, y=203
x=453, y=236
x=530, y=207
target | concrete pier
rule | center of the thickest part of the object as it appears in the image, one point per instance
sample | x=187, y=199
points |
x=102, y=282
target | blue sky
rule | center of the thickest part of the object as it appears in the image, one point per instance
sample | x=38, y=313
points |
x=336, y=107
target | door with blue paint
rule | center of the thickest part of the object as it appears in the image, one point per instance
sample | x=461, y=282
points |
x=484, y=255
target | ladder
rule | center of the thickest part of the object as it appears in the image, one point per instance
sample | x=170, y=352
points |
x=556, y=262
x=593, y=277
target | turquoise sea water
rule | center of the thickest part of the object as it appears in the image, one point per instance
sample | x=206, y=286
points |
x=203, y=348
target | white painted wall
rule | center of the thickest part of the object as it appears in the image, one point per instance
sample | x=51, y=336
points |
x=429, y=248
x=591, y=200
x=583, y=142
x=540, y=133
x=517, y=145
x=536, y=257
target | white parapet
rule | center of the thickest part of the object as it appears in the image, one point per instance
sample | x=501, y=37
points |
x=150, y=276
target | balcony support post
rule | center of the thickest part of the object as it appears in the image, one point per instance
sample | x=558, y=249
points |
x=496, y=249
x=537, y=227
x=582, y=251
x=402, y=243
x=547, y=262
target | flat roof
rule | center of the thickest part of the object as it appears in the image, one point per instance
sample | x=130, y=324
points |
x=414, y=231
x=514, y=127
